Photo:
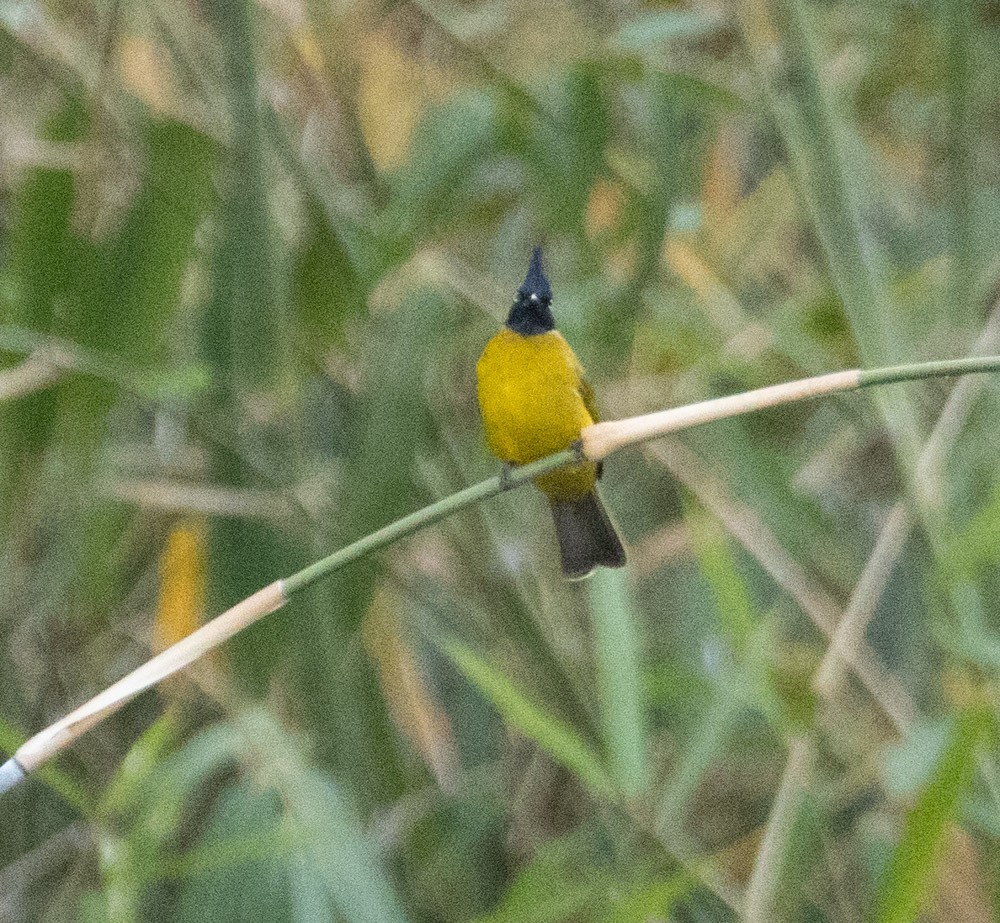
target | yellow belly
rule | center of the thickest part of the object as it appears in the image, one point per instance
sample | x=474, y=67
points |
x=532, y=406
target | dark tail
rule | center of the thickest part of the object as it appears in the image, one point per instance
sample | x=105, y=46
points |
x=587, y=537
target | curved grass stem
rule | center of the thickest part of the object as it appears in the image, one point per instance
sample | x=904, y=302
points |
x=598, y=441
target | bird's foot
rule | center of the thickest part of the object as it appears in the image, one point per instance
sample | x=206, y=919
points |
x=506, y=481
x=581, y=456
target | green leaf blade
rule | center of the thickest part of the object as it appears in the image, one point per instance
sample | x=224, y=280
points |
x=616, y=650
x=559, y=740
x=910, y=880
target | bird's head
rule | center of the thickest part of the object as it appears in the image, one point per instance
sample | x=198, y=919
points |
x=531, y=313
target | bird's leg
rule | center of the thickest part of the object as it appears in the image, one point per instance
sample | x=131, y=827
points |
x=581, y=456
x=506, y=481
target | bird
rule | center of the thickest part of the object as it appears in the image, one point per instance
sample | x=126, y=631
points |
x=534, y=401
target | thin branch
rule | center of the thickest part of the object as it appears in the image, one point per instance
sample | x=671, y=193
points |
x=181, y=497
x=597, y=442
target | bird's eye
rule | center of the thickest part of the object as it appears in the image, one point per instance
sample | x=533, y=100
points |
x=534, y=297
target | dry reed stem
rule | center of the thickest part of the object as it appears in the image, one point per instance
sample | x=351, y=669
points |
x=182, y=497
x=47, y=743
x=601, y=439
x=896, y=529
x=39, y=371
x=597, y=442
x=750, y=530
x=767, y=868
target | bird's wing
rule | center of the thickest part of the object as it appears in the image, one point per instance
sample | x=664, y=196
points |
x=582, y=385
x=587, y=393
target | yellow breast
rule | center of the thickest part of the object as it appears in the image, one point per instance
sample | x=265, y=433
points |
x=532, y=405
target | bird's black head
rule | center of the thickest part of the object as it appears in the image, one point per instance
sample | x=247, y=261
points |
x=531, y=314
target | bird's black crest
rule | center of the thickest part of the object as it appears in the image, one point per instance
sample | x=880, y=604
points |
x=531, y=313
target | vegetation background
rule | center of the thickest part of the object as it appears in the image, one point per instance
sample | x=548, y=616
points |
x=250, y=254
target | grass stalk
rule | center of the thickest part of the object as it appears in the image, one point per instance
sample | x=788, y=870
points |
x=36, y=373
x=597, y=442
x=867, y=593
x=783, y=54
x=747, y=527
x=957, y=28
x=766, y=876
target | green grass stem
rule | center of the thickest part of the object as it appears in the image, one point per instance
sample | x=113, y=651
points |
x=46, y=744
x=421, y=519
x=919, y=370
x=783, y=53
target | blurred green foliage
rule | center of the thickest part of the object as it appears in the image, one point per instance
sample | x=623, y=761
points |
x=249, y=254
